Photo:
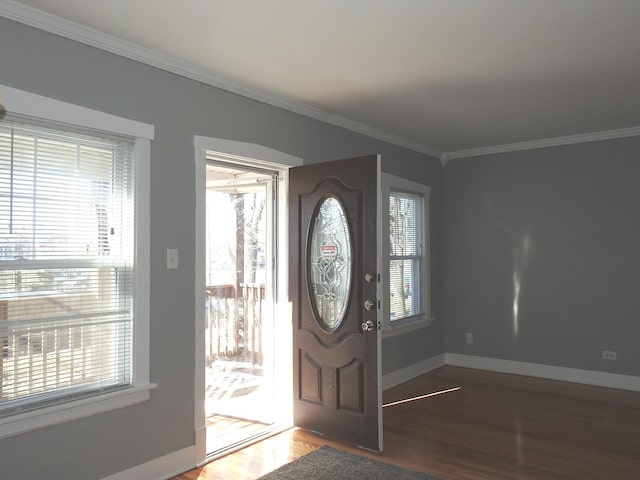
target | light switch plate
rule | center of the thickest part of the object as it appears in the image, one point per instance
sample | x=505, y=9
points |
x=172, y=258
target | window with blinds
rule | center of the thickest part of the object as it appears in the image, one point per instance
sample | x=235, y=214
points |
x=406, y=250
x=66, y=263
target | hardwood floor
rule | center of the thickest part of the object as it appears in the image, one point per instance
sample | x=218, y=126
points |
x=497, y=426
x=223, y=430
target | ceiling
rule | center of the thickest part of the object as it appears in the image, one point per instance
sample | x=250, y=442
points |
x=435, y=75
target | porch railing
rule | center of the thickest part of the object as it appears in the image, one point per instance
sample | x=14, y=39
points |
x=235, y=322
x=63, y=350
x=36, y=356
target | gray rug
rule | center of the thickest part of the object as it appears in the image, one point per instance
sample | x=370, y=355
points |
x=327, y=463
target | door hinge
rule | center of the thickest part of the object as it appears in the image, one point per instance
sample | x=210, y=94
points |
x=378, y=304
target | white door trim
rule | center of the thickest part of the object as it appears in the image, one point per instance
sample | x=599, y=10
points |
x=253, y=155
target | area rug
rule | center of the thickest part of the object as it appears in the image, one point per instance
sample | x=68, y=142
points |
x=327, y=463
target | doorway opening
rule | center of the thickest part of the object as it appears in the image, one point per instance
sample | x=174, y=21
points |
x=247, y=376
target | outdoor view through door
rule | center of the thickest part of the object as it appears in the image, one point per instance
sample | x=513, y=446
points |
x=241, y=381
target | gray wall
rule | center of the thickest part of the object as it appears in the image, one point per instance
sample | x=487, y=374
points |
x=179, y=108
x=564, y=223
x=405, y=350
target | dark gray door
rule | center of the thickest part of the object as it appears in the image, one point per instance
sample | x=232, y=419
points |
x=333, y=283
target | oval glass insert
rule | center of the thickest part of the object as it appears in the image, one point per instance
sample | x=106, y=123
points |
x=329, y=257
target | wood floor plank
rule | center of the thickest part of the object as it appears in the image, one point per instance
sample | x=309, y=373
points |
x=496, y=426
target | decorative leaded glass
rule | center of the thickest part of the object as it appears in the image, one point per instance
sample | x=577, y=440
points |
x=330, y=262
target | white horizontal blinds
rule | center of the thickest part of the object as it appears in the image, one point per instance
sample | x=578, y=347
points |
x=66, y=258
x=406, y=249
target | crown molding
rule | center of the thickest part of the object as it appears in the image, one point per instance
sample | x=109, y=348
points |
x=89, y=36
x=542, y=143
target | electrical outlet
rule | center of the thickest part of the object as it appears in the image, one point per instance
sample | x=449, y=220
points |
x=609, y=355
x=470, y=338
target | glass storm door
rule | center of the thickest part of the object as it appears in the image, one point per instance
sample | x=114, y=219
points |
x=243, y=376
x=333, y=287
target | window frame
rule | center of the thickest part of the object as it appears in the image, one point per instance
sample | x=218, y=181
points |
x=391, y=183
x=66, y=115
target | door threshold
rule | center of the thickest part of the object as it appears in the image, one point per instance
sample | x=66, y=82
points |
x=234, y=447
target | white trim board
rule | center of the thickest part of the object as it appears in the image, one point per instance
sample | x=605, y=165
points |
x=164, y=467
x=80, y=33
x=255, y=154
x=405, y=374
x=542, y=143
x=550, y=372
x=574, y=375
x=45, y=108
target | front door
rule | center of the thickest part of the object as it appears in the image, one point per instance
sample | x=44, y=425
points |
x=333, y=285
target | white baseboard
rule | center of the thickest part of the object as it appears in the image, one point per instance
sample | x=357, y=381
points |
x=407, y=373
x=575, y=375
x=200, y=449
x=161, y=468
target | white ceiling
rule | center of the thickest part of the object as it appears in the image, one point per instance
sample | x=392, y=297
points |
x=448, y=75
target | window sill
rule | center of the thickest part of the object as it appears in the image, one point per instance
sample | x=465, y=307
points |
x=406, y=326
x=56, y=414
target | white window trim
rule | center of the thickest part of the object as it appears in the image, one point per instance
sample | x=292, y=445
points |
x=391, y=183
x=28, y=104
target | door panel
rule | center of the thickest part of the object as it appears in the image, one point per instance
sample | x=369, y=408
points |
x=333, y=247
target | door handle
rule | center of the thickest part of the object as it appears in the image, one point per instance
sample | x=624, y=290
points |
x=369, y=304
x=368, y=326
